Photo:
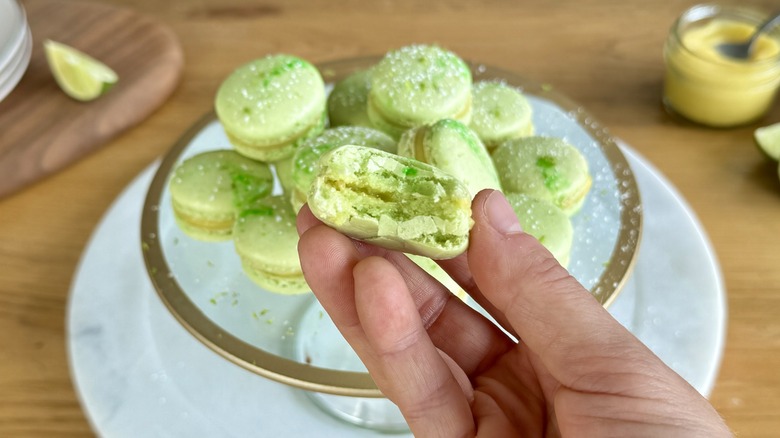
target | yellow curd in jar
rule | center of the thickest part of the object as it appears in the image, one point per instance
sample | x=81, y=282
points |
x=708, y=87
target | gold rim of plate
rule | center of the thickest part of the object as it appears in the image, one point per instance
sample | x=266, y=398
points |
x=358, y=384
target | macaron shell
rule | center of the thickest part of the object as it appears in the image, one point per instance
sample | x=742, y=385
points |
x=284, y=285
x=279, y=151
x=205, y=230
x=454, y=148
x=546, y=168
x=500, y=112
x=348, y=101
x=207, y=189
x=271, y=100
x=392, y=201
x=420, y=84
x=546, y=222
x=266, y=239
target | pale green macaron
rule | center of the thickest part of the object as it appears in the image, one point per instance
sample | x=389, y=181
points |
x=546, y=222
x=348, y=101
x=454, y=148
x=500, y=112
x=266, y=240
x=418, y=84
x=546, y=168
x=395, y=202
x=208, y=189
x=269, y=105
x=304, y=163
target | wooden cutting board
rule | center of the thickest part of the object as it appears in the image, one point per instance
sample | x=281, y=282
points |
x=42, y=130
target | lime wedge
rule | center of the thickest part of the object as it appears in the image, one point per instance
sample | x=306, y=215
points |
x=79, y=75
x=768, y=139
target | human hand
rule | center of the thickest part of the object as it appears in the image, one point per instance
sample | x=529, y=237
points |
x=574, y=372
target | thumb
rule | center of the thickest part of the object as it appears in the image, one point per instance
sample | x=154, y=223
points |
x=552, y=313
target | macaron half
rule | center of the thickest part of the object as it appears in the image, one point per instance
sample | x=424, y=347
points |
x=269, y=105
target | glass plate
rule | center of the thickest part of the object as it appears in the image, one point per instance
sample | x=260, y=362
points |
x=281, y=337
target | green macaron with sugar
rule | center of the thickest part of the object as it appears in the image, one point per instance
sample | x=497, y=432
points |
x=418, y=84
x=500, y=112
x=304, y=163
x=395, y=202
x=454, y=148
x=208, y=189
x=266, y=241
x=544, y=167
x=546, y=222
x=269, y=105
x=348, y=101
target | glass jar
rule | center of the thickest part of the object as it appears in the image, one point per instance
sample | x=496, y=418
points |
x=707, y=87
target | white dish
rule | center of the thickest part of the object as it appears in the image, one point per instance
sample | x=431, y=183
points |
x=139, y=373
x=12, y=25
x=15, y=45
x=12, y=74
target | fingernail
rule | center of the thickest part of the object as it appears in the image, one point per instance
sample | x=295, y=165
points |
x=500, y=214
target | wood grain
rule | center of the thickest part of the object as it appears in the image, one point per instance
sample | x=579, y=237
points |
x=605, y=54
x=42, y=130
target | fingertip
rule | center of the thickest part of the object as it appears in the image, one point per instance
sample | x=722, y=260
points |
x=306, y=220
x=494, y=210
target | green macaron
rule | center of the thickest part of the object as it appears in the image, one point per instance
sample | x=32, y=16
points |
x=454, y=148
x=304, y=163
x=546, y=168
x=269, y=105
x=348, y=101
x=392, y=201
x=500, y=112
x=266, y=240
x=418, y=84
x=208, y=189
x=546, y=222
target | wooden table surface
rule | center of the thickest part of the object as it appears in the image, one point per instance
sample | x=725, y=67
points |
x=605, y=54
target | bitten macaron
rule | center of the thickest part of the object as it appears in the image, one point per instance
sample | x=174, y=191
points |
x=208, y=189
x=391, y=201
x=501, y=112
x=544, y=167
x=454, y=148
x=418, y=84
x=266, y=240
x=304, y=165
x=269, y=105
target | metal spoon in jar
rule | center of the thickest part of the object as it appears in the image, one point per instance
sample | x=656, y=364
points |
x=744, y=49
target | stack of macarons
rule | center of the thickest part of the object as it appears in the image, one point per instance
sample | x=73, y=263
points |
x=393, y=155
